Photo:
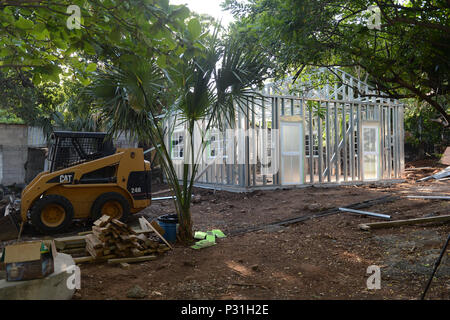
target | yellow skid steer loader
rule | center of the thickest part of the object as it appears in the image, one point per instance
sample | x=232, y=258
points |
x=87, y=178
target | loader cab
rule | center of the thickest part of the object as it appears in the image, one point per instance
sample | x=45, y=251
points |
x=73, y=148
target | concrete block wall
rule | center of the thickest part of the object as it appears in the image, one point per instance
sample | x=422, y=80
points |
x=13, y=134
x=14, y=152
x=13, y=164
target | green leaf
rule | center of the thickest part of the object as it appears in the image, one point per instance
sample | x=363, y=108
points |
x=37, y=78
x=161, y=61
x=194, y=27
x=181, y=13
x=24, y=24
x=88, y=48
x=91, y=67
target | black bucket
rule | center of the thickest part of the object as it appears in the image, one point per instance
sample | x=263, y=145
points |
x=169, y=218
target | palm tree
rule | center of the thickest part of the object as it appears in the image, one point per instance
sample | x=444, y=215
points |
x=143, y=99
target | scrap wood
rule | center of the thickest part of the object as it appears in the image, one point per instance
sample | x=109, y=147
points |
x=113, y=237
x=397, y=223
x=143, y=223
x=70, y=242
x=440, y=175
x=149, y=225
x=92, y=259
x=420, y=168
x=130, y=260
x=71, y=239
x=84, y=233
x=74, y=250
x=102, y=221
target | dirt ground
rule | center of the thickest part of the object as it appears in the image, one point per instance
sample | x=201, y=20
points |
x=321, y=258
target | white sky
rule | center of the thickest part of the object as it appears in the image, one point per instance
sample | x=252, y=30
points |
x=211, y=7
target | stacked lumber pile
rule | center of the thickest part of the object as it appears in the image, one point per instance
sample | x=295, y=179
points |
x=75, y=245
x=113, y=237
x=116, y=242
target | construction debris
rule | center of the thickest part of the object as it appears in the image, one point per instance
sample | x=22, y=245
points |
x=359, y=205
x=378, y=215
x=397, y=223
x=430, y=197
x=438, y=176
x=446, y=157
x=113, y=240
x=207, y=239
x=144, y=223
x=131, y=260
x=113, y=237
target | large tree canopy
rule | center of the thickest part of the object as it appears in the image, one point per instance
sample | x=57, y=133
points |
x=34, y=34
x=407, y=55
x=40, y=50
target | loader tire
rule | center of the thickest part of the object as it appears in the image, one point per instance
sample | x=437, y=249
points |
x=52, y=214
x=111, y=204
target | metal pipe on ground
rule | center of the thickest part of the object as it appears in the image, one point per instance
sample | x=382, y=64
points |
x=430, y=197
x=165, y=198
x=359, y=205
x=378, y=215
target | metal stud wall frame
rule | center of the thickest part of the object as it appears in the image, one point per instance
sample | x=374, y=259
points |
x=347, y=135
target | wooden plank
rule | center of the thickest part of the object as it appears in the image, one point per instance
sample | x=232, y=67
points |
x=158, y=227
x=94, y=241
x=73, y=250
x=131, y=260
x=102, y=221
x=143, y=225
x=92, y=259
x=84, y=233
x=157, y=233
x=71, y=239
x=397, y=223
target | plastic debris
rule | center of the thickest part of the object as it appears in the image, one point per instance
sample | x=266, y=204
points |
x=207, y=239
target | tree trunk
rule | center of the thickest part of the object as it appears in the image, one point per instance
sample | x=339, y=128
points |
x=185, y=234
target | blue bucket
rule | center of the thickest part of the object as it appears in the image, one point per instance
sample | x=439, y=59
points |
x=169, y=223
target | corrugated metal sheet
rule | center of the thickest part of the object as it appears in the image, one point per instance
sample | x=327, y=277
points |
x=36, y=137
